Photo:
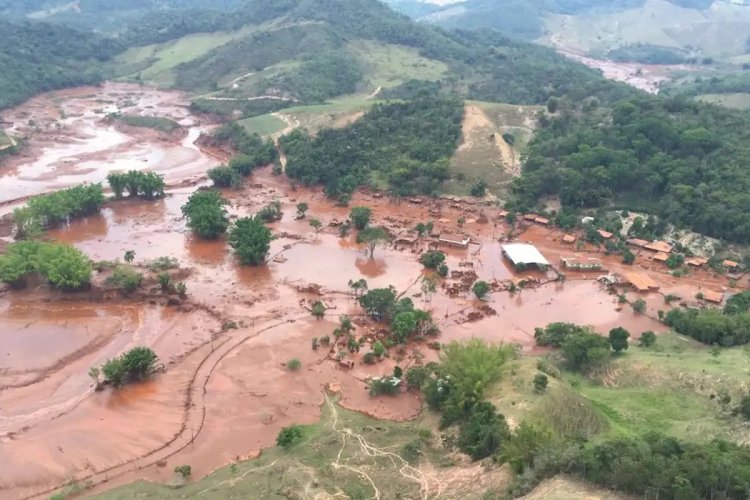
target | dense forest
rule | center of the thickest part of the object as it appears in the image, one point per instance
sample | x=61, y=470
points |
x=39, y=57
x=403, y=145
x=678, y=159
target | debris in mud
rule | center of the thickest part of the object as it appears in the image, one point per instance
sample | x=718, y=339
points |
x=312, y=289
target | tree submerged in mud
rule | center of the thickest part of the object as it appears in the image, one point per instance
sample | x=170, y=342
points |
x=136, y=365
x=206, y=215
x=372, y=237
x=251, y=240
x=148, y=185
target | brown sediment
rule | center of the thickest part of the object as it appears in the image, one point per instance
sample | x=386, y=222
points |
x=226, y=391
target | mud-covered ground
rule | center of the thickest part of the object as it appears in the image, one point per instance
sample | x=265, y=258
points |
x=225, y=392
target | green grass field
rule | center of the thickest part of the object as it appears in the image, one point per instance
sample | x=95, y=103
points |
x=386, y=65
x=154, y=62
x=263, y=125
x=739, y=101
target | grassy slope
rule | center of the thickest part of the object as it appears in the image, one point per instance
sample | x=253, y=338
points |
x=154, y=63
x=387, y=65
x=5, y=141
x=735, y=100
x=263, y=125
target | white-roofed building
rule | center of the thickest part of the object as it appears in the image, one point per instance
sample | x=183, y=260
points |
x=524, y=255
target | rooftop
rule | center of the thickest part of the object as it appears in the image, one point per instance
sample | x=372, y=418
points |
x=711, y=296
x=660, y=246
x=642, y=282
x=604, y=234
x=569, y=238
x=523, y=253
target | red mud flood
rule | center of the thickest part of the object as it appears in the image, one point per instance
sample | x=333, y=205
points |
x=225, y=392
x=69, y=142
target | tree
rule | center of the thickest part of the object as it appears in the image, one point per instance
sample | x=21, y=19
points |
x=224, y=177
x=129, y=256
x=628, y=257
x=540, y=382
x=424, y=229
x=316, y=225
x=416, y=376
x=585, y=350
x=639, y=306
x=482, y=434
x=379, y=302
x=429, y=287
x=205, y=214
x=289, y=436
x=318, y=309
x=183, y=470
x=432, y=259
x=404, y=324
x=302, y=208
x=378, y=348
x=618, y=339
x=647, y=339
x=442, y=270
x=251, y=240
x=372, y=237
x=359, y=287
x=552, y=104
x=481, y=289
x=360, y=217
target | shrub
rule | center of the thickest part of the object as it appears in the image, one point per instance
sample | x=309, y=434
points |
x=184, y=470
x=540, y=383
x=639, y=306
x=647, y=339
x=163, y=264
x=745, y=407
x=271, y=212
x=432, y=259
x=378, y=348
x=479, y=189
x=165, y=281
x=416, y=376
x=206, y=215
x=481, y=289
x=224, y=177
x=318, y=310
x=385, y=385
x=288, y=436
x=442, y=270
x=294, y=364
x=134, y=366
x=585, y=350
x=126, y=278
x=181, y=289
x=53, y=209
x=63, y=266
x=370, y=358
x=302, y=209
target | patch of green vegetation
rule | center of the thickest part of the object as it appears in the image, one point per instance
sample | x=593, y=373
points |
x=263, y=125
x=736, y=100
x=328, y=459
x=154, y=122
x=153, y=64
x=388, y=65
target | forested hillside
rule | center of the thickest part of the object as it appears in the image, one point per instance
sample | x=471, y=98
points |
x=38, y=57
x=679, y=159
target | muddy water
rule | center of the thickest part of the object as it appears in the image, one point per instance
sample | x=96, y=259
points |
x=69, y=141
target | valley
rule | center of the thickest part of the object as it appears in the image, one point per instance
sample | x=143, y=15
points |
x=315, y=249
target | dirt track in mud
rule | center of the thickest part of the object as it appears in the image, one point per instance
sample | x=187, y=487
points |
x=225, y=393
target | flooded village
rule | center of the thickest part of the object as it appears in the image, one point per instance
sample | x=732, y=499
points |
x=224, y=392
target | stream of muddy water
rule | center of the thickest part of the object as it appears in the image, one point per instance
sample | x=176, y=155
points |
x=224, y=393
